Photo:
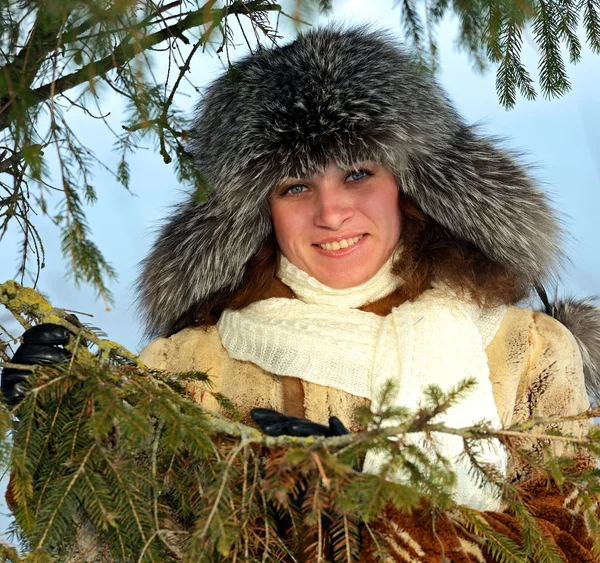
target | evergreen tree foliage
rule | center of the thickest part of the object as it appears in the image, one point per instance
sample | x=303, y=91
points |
x=111, y=457
x=493, y=32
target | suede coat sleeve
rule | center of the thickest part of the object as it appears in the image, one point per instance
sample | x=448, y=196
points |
x=536, y=371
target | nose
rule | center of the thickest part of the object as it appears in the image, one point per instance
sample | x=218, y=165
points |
x=333, y=207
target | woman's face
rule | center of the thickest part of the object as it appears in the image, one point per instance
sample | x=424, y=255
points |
x=339, y=227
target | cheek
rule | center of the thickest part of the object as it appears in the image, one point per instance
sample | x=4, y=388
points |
x=385, y=213
x=285, y=225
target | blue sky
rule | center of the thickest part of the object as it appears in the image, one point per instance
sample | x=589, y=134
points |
x=560, y=137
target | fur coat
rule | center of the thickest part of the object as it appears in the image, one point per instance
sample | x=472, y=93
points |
x=535, y=368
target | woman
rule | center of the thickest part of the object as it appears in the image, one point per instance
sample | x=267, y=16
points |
x=358, y=231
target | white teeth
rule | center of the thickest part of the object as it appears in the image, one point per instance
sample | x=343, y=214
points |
x=344, y=243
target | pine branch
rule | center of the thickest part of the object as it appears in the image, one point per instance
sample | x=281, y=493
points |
x=16, y=158
x=91, y=42
x=130, y=47
x=536, y=545
x=493, y=32
x=472, y=30
x=24, y=302
x=501, y=547
x=511, y=73
x=64, y=496
x=553, y=74
x=17, y=76
x=591, y=22
x=413, y=26
x=155, y=475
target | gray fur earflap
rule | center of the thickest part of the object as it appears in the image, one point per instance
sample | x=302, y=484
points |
x=582, y=318
x=346, y=96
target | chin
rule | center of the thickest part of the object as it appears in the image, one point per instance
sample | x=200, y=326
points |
x=339, y=281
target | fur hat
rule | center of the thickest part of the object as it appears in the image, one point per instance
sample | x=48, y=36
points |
x=345, y=96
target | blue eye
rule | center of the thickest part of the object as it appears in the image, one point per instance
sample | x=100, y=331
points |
x=356, y=175
x=296, y=189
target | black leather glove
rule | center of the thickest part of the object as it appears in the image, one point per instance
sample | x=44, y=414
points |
x=274, y=423
x=42, y=344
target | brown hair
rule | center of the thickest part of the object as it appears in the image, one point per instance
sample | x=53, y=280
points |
x=429, y=252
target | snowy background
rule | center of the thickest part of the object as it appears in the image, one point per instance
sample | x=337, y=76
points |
x=560, y=137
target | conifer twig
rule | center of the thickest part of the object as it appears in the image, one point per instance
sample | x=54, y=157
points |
x=22, y=367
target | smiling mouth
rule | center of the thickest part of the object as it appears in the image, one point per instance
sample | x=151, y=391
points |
x=344, y=243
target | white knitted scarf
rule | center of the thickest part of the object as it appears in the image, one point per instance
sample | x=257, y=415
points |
x=321, y=337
